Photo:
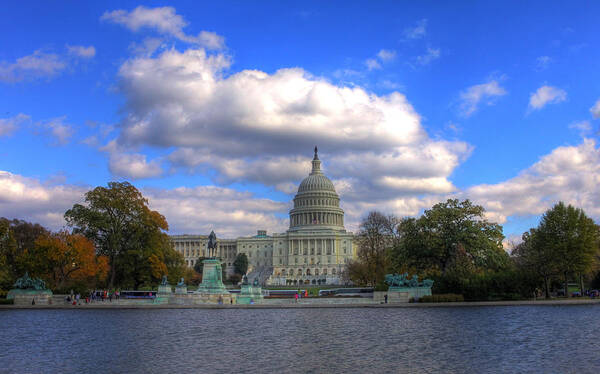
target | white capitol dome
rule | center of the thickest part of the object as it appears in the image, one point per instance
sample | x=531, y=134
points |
x=316, y=205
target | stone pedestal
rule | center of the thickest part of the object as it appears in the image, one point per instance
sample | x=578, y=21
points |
x=212, y=278
x=25, y=297
x=404, y=294
x=250, y=294
x=164, y=293
x=181, y=290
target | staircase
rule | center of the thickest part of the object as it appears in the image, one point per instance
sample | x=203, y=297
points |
x=262, y=273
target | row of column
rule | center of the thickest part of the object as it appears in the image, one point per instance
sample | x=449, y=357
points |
x=297, y=246
x=317, y=218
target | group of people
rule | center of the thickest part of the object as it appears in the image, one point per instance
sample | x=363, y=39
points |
x=98, y=295
x=300, y=294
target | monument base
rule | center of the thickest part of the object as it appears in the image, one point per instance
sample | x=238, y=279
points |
x=29, y=297
x=164, y=293
x=212, y=278
x=181, y=290
x=250, y=294
x=404, y=294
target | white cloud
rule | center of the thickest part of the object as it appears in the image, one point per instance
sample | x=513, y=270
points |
x=383, y=56
x=57, y=129
x=130, y=165
x=133, y=165
x=147, y=47
x=542, y=62
x=372, y=64
x=229, y=212
x=188, y=210
x=584, y=127
x=431, y=55
x=595, y=110
x=27, y=198
x=418, y=31
x=11, y=124
x=386, y=55
x=273, y=121
x=472, y=97
x=546, y=95
x=164, y=20
x=37, y=65
x=570, y=174
x=81, y=51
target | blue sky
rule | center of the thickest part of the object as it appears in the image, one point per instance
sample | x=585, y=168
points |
x=216, y=106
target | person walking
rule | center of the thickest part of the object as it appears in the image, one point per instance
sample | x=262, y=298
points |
x=385, y=298
x=296, y=296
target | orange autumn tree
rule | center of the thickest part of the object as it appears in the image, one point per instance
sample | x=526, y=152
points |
x=67, y=258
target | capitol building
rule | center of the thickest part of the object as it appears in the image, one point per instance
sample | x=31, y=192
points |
x=314, y=250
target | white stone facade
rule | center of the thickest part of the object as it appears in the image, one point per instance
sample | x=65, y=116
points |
x=314, y=250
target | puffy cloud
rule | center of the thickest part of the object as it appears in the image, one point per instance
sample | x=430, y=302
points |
x=133, y=165
x=188, y=210
x=431, y=55
x=177, y=101
x=39, y=64
x=595, y=110
x=129, y=165
x=229, y=212
x=570, y=174
x=27, y=198
x=418, y=31
x=546, y=95
x=10, y=125
x=81, y=51
x=471, y=98
x=164, y=20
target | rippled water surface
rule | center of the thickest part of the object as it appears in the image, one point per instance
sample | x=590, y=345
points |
x=519, y=339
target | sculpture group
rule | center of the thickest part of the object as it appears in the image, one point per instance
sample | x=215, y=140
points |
x=402, y=280
x=27, y=283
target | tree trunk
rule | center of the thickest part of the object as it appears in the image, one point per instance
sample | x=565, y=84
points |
x=566, y=285
x=581, y=284
x=546, y=287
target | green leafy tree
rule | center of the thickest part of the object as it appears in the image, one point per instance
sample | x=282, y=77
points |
x=8, y=247
x=534, y=258
x=123, y=228
x=240, y=265
x=449, y=235
x=569, y=240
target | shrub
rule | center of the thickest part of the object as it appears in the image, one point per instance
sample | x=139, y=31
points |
x=441, y=298
x=6, y=302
